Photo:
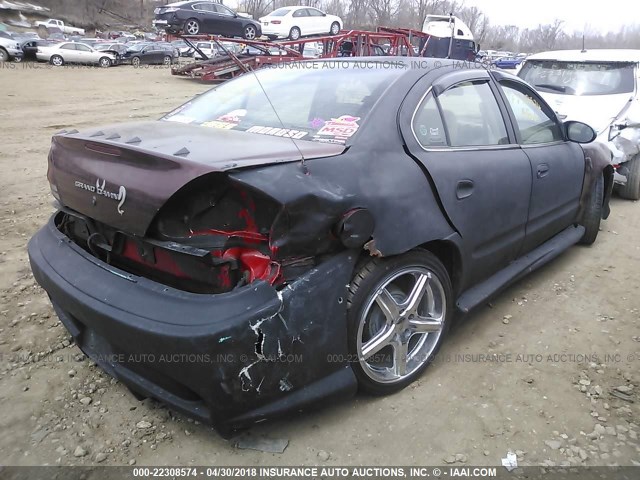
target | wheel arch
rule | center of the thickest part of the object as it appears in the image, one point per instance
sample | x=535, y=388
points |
x=445, y=250
x=449, y=254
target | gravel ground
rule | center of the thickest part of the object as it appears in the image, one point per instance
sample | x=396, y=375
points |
x=548, y=371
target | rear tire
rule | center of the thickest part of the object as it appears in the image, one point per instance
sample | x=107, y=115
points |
x=631, y=190
x=56, y=60
x=392, y=340
x=593, y=213
x=294, y=33
x=192, y=26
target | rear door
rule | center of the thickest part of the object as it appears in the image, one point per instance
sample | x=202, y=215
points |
x=301, y=19
x=204, y=13
x=69, y=53
x=457, y=131
x=557, y=165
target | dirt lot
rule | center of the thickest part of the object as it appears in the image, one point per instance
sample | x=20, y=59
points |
x=532, y=373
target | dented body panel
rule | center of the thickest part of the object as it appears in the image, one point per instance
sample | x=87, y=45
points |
x=152, y=161
x=209, y=268
x=213, y=357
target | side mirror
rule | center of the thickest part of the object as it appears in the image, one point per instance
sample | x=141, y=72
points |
x=579, y=132
x=324, y=14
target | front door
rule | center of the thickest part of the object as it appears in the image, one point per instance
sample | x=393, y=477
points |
x=229, y=25
x=317, y=22
x=482, y=178
x=555, y=195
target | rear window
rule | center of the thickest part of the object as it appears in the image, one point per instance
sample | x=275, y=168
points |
x=316, y=101
x=579, y=78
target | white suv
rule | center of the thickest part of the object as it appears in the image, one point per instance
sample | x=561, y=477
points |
x=600, y=88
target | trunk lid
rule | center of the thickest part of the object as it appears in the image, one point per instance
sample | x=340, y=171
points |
x=122, y=175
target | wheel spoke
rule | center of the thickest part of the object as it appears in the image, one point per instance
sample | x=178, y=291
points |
x=378, y=342
x=400, y=354
x=388, y=305
x=425, y=324
x=417, y=292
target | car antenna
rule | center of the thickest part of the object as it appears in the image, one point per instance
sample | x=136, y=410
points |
x=278, y=116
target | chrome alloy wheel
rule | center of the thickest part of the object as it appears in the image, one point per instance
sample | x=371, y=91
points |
x=192, y=27
x=400, y=325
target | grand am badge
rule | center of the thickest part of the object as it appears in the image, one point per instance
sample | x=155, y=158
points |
x=100, y=189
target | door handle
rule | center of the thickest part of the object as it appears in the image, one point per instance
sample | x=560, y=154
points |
x=543, y=170
x=464, y=189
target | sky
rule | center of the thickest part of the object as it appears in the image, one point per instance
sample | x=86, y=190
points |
x=575, y=13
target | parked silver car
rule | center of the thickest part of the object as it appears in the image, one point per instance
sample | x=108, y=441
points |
x=70, y=52
x=10, y=49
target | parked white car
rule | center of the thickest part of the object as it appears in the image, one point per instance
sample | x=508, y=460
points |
x=212, y=49
x=600, y=88
x=296, y=22
x=71, y=52
x=52, y=22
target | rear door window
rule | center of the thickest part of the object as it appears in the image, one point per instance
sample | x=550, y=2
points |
x=427, y=124
x=472, y=116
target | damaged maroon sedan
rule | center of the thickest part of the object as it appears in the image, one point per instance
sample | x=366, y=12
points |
x=299, y=232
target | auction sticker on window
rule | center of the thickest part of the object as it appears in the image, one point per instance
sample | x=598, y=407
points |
x=339, y=129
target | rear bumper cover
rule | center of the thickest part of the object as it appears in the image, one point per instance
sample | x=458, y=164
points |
x=229, y=360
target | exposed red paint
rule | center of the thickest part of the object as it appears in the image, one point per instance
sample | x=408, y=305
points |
x=250, y=236
x=224, y=279
x=259, y=265
x=247, y=216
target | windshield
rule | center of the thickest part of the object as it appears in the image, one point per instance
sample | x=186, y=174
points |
x=579, y=78
x=281, y=12
x=312, y=103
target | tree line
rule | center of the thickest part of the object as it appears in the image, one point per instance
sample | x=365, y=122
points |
x=368, y=14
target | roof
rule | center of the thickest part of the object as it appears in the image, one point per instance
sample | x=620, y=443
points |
x=595, y=55
x=293, y=8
